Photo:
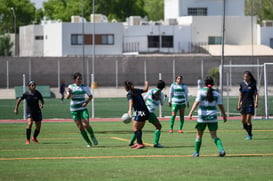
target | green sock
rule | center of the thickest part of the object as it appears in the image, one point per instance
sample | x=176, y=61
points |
x=181, y=122
x=172, y=122
x=218, y=143
x=91, y=132
x=85, y=137
x=197, y=145
x=157, y=136
x=133, y=139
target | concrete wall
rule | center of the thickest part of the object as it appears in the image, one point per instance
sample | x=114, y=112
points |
x=48, y=70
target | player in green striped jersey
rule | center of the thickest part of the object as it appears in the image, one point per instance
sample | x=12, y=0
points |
x=178, y=100
x=207, y=99
x=78, y=108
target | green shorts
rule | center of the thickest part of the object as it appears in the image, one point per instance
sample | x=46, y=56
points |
x=78, y=115
x=152, y=118
x=176, y=107
x=202, y=126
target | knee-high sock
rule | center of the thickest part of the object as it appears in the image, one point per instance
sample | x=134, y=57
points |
x=133, y=138
x=218, y=143
x=28, y=132
x=181, y=122
x=139, y=136
x=249, y=129
x=156, y=136
x=85, y=137
x=91, y=131
x=197, y=145
x=36, y=133
x=172, y=122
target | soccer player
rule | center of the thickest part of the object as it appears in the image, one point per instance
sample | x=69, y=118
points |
x=178, y=100
x=207, y=99
x=248, y=101
x=34, y=103
x=78, y=108
x=136, y=101
x=153, y=99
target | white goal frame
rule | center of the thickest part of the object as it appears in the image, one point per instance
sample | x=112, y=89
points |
x=264, y=66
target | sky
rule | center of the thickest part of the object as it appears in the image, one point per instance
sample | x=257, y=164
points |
x=38, y=3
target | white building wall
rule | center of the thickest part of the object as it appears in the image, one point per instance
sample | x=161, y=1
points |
x=29, y=46
x=238, y=29
x=53, y=39
x=139, y=35
x=59, y=34
x=176, y=8
x=266, y=35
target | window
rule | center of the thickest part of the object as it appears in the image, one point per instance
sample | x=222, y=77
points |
x=76, y=39
x=197, y=11
x=39, y=37
x=215, y=40
x=153, y=41
x=167, y=42
x=107, y=39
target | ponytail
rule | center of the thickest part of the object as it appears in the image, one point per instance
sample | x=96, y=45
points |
x=209, y=83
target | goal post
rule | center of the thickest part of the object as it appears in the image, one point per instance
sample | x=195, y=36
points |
x=232, y=76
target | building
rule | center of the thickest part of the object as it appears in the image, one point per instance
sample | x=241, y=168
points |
x=189, y=26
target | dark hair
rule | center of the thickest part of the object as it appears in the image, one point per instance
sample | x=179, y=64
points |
x=160, y=84
x=252, y=79
x=31, y=82
x=209, y=83
x=128, y=85
x=77, y=74
x=179, y=76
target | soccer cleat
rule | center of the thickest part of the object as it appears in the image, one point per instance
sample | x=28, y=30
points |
x=137, y=146
x=27, y=142
x=89, y=145
x=131, y=144
x=195, y=154
x=95, y=141
x=170, y=131
x=249, y=137
x=34, y=140
x=222, y=153
x=180, y=131
x=158, y=146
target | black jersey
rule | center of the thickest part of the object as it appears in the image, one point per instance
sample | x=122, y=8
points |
x=248, y=92
x=32, y=101
x=141, y=110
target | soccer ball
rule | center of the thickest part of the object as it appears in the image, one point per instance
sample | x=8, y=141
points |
x=126, y=118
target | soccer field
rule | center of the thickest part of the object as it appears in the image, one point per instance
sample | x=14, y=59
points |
x=62, y=153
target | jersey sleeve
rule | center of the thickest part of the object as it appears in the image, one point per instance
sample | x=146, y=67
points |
x=87, y=91
x=171, y=93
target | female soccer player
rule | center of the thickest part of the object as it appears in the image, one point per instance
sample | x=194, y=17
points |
x=178, y=100
x=78, y=108
x=248, y=101
x=207, y=99
x=33, y=110
x=136, y=101
x=153, y=99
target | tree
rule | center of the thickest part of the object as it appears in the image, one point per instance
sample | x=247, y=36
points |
x=24, y=11
x=5, y=45
x=261, y=8
x=154, y=9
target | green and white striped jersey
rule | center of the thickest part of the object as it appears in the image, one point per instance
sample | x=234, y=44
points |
x=178, y=94
x=151, y=103
x=78, y=96
x=207, y=111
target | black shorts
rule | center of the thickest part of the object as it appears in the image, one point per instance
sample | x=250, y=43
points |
x=37, y=116
x=247, y=109
x=141, y=115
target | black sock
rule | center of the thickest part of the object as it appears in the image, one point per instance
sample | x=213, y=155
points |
x=245, y=126
x=36, y=133
x=28, y=132
x=139, y=136
x=249, y=129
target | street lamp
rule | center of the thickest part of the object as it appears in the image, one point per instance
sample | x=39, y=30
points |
x=14, y=19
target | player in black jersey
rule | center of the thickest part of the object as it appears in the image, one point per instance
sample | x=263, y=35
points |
x=34, y=103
